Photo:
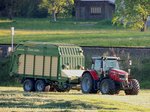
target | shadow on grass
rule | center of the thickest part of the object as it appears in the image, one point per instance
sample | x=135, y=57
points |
x=53, y=104
x=74, y=104
x=11, y=91
x=38, y=93
x=20, y=99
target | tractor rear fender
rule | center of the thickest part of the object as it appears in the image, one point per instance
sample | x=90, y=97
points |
x=92, y=73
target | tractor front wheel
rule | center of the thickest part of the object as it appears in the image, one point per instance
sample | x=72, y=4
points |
x=135, y=87
x=107, y=86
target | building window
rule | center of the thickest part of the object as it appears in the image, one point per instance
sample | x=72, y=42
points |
x=95, y=10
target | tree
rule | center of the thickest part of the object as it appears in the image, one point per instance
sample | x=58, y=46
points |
x=6, y=8
x=9, y=8
x=21, y=8
x=132, y=13
x=55, y=7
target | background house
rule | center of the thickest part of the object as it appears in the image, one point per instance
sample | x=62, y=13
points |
x=94, y=9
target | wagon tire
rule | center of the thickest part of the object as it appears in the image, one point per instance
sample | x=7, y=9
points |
x=40, y=85
x=107, y=86
x=28, y=85
x=61, y=88
x=135, y=88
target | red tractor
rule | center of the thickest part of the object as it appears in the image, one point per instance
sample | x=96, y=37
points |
x=106, y=76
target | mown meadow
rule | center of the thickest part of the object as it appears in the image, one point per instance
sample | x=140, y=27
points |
x=14, y=99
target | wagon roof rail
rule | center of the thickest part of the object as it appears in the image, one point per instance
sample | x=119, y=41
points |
x=28, y=43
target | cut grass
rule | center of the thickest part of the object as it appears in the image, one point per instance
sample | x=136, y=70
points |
x=89, y=33
x=14, y=99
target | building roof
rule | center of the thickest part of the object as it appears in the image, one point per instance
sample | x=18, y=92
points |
x=111, y=1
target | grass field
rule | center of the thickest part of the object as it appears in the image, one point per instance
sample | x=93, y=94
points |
x=88, y=33
x=14, y=99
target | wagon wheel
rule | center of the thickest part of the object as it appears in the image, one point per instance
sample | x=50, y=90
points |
x=40, y=85
x=28, y=85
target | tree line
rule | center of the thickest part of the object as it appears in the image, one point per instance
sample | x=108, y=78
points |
x=130, y=13
x=35, y=8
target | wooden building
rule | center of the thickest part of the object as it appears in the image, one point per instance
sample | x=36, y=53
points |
x=94, y=9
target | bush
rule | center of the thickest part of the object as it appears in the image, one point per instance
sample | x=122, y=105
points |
x=141, y=72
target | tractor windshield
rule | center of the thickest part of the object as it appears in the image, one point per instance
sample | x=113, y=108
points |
x=110, y=64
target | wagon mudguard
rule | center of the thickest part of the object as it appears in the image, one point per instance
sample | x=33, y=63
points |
x=92, y=73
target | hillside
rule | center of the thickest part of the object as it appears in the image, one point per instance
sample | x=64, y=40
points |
x=85, y=33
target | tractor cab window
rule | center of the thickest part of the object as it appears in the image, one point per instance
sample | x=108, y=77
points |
x=97, y=65
x=110, y=64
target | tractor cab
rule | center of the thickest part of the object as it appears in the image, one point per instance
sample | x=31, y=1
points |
x=109, y=67
x=102, y=65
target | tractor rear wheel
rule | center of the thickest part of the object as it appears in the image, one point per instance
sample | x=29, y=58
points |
x=28, y=85
x=40, y=85
x=135, y=88
x=87, y=84
x=107, y=86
